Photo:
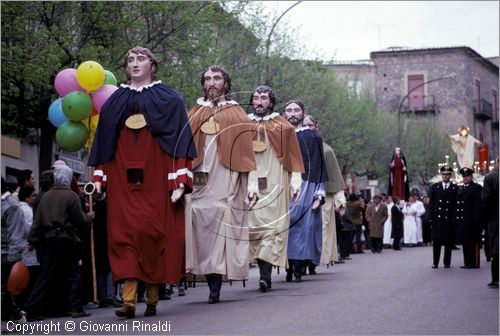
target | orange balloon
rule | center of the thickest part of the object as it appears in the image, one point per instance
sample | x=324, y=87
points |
x=19, y=278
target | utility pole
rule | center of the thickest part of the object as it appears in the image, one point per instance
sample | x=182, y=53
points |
x=268, y=41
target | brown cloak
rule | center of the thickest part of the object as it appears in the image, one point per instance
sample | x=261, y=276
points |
x=283, y=139
x=234, y=140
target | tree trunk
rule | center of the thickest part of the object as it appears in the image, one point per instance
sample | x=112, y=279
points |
x=46, y=141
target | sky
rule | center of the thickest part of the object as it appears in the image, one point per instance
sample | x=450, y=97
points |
x=350, y=30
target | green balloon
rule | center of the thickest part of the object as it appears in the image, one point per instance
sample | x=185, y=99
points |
x=71, y=135
x=109, y=78
x=77, y=105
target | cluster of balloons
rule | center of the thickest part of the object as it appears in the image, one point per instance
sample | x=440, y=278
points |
x=83, y=92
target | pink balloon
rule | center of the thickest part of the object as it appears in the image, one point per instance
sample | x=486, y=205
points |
x=102, y=94
x=66, y=82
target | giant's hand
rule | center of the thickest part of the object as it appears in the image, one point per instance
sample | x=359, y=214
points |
x=316, y=204
x=295, y=194
x=97, y=186
x=252, y=200
x=177, y=193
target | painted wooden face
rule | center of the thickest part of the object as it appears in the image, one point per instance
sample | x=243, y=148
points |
x=261, y=102
x=213, y=85
x=139, y=68
x=294, y=114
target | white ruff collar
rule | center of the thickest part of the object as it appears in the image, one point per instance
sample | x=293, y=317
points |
x=273, y=115
x=201, y=101
x=303, y=128
x=139, y=89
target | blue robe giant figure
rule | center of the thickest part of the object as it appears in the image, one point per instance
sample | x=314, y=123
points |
x=306, y=227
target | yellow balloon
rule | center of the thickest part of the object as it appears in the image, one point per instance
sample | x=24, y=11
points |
x=90, y=75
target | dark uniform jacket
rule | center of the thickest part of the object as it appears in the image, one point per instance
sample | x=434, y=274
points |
x=468, y=212
x=441, y=210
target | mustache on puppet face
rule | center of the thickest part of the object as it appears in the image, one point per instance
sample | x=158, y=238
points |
x=261, y=109
x=213, y=93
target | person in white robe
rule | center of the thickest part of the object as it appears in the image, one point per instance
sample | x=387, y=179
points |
x=418, y=218
x=388, y=223
x=410, y=224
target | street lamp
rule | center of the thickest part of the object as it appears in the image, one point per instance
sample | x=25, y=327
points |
x=448, y=76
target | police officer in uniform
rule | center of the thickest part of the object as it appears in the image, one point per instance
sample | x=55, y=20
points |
x=468, y=218
x=442, y=200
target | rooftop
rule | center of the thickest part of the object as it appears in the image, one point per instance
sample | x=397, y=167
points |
x=356, y=62
x=475, y=55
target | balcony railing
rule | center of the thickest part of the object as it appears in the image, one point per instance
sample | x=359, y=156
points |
x=482, y=109
x=420, y=104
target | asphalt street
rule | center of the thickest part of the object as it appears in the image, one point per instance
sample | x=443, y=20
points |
x=392, y=293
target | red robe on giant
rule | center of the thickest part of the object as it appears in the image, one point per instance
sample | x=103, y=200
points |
x=146, y=231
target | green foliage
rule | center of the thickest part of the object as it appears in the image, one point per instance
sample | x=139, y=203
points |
x=39, y=39
x=348, y=123
x=424, y=145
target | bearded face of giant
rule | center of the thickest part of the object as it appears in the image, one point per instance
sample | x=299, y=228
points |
x=294, y=114
x=214, y=85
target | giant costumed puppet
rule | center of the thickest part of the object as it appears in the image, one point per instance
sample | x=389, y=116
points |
x=225, y=185
x=306, y=226
x=142, y=153
x=279, y=168
x=335, y=198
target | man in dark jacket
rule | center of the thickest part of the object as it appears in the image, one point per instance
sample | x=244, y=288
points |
x=490, y=199
x=441, y=211
x=357, y=219
x=468, y=218
x=55, y=235
x=376, y=215
x=347, y=231
x=397, y=218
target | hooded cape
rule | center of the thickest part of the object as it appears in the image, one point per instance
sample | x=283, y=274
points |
x=336, y=180
x=311, y=147
x=405, y=177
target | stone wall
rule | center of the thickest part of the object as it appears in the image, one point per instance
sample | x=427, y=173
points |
x=454, y=98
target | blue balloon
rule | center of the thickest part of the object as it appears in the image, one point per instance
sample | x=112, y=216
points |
x=56, y=114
